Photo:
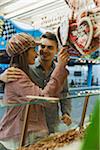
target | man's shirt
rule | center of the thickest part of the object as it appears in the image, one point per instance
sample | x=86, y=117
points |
x=52, y=110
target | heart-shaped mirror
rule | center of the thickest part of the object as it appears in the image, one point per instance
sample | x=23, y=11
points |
x=62, y=32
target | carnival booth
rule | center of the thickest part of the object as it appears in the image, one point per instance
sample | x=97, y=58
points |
x=78, y=35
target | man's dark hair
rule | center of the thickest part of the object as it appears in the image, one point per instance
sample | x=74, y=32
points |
x=50, y=36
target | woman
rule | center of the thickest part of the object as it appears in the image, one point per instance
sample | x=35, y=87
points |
x=21, y=49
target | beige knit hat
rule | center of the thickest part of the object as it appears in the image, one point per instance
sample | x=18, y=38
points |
x=19, y=43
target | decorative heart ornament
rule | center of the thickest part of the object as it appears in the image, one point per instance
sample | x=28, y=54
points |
x=80, y=34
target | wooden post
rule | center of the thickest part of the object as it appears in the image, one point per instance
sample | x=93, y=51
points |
x=25, y=126
x=84, y=112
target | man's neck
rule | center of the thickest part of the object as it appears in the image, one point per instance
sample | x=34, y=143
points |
x=46, y=65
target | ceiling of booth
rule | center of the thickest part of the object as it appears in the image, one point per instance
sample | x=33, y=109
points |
x=28, y=11
x=38, y=13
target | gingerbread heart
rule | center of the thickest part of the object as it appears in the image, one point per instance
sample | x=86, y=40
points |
x=81, y=33
x=94, y=15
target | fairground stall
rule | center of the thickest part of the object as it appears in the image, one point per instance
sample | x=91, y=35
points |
x=77, y=33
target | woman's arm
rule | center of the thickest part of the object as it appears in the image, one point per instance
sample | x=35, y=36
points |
x=23, y=86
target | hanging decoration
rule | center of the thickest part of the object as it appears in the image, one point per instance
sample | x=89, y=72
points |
x=6, y=29
x=78, y=33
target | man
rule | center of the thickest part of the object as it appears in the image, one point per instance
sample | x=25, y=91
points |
x=40, y=73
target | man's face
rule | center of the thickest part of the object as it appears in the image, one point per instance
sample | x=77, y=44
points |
x=47, y=49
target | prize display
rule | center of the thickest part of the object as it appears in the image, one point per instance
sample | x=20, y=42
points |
x=80, y=34
x=57, y=140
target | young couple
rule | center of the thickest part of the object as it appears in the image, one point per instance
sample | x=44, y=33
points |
x=27, y=78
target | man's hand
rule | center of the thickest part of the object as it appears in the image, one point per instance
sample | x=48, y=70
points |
x=63, y=56
x=66, y=119
x=10, y=74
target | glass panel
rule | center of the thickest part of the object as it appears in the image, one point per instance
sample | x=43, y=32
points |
x=76, y=115
x=40, y=100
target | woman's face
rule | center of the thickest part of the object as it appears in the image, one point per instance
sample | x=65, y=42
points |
x=32, y=54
